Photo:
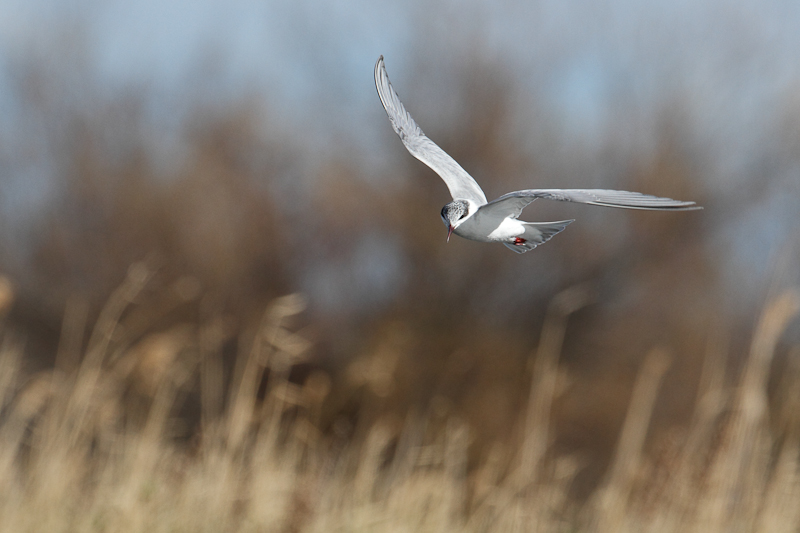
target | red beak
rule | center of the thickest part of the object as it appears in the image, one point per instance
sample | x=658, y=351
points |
x=449, y=232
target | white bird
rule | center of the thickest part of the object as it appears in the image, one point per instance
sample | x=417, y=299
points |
x=469, y=215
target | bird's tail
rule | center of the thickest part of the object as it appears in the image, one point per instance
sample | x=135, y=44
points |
x=537, y=233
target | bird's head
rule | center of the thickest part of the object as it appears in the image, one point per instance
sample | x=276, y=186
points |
x=454, y=213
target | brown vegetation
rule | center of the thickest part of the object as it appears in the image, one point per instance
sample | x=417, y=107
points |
x=77, y=454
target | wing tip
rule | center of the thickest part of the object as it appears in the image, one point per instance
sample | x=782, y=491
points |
x=683, y=206
x=378, y=67
x=383, y=85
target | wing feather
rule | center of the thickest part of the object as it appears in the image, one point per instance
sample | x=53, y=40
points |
x=458, y=181
x=513, y=203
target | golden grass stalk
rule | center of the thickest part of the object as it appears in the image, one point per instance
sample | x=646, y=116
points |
x=740, y=468
x=612, y=500
x=71, y=459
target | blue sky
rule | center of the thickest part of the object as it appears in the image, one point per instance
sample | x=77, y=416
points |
x=577, y=54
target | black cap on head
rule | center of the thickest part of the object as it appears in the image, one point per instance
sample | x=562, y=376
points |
x=454, y=211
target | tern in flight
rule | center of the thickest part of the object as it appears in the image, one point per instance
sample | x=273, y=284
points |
x=470, y=216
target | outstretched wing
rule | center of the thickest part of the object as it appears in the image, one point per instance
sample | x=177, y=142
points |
x=513, y=203
x=461, y=184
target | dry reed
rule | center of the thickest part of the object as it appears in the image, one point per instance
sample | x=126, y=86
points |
x=72, y=458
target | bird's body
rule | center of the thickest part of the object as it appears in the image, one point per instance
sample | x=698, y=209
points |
x=485, y=225
x=470, y=216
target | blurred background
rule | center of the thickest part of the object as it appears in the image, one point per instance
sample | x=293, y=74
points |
x=239, y=151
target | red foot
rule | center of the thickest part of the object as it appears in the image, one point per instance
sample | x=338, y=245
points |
x=519, y=240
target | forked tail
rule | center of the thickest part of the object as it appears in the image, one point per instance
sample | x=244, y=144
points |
x=537, y=233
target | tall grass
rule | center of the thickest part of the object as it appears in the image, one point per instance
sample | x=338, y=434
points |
x=77, y=454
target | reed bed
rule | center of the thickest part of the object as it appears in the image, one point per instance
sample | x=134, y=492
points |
x=76, y=454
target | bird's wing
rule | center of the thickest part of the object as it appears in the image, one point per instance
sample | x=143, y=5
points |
x=513, y=203
x=461, y=184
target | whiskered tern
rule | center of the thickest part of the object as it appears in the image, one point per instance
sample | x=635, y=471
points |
x=470, y=216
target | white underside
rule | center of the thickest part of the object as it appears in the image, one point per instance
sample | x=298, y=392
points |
x=489, y=229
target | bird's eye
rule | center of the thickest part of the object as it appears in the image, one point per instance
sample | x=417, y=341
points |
x=464, y=214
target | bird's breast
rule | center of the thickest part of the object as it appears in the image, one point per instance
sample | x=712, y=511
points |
x=488, y=229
